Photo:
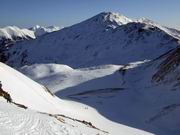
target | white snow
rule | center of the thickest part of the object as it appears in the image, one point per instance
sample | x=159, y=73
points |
x=40, y=30
x=11, y=32
x=16, y=121
x=64, y=76
x=103, y=76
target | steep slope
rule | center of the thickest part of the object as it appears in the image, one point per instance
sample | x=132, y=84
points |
x=33, y=95
x=99, y=40
x=40, y=30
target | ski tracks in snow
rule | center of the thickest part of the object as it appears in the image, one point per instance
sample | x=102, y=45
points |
x=30, y=123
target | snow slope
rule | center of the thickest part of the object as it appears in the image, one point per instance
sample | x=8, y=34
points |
x=16, y=121
x=99, y=40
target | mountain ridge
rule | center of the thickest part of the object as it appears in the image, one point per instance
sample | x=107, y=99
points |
x=98, y=40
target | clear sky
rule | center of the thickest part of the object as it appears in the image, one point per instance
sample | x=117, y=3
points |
x=26, y=13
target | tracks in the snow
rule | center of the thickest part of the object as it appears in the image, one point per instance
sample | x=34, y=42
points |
x=21, y=123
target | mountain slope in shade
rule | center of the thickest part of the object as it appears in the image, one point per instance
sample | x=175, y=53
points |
x=103, y=39
x=40, y=30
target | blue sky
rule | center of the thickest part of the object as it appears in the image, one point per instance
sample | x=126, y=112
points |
x=26, y=13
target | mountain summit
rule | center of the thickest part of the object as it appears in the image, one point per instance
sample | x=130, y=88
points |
x=110, y=18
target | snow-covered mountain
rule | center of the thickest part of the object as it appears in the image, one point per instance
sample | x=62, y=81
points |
x=106, y=75
x=15, y=33
x=173, y=32
x=10, y=35
x=106, y=38
x=40, y=30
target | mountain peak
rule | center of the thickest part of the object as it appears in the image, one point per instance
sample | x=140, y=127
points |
x=113, y=18
x=106, y=20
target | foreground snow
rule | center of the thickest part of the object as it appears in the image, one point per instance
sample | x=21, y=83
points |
x=16, y=121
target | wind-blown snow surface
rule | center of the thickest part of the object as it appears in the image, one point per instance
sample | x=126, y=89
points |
x=33, y=95
x=16, y=121
x=103, y=39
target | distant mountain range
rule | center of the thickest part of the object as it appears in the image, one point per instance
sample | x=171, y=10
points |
x=12, y=34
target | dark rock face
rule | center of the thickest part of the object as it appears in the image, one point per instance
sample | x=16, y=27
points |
x=170, y=63
x=6, y=44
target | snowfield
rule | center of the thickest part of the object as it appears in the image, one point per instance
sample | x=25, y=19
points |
x=16, y=121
